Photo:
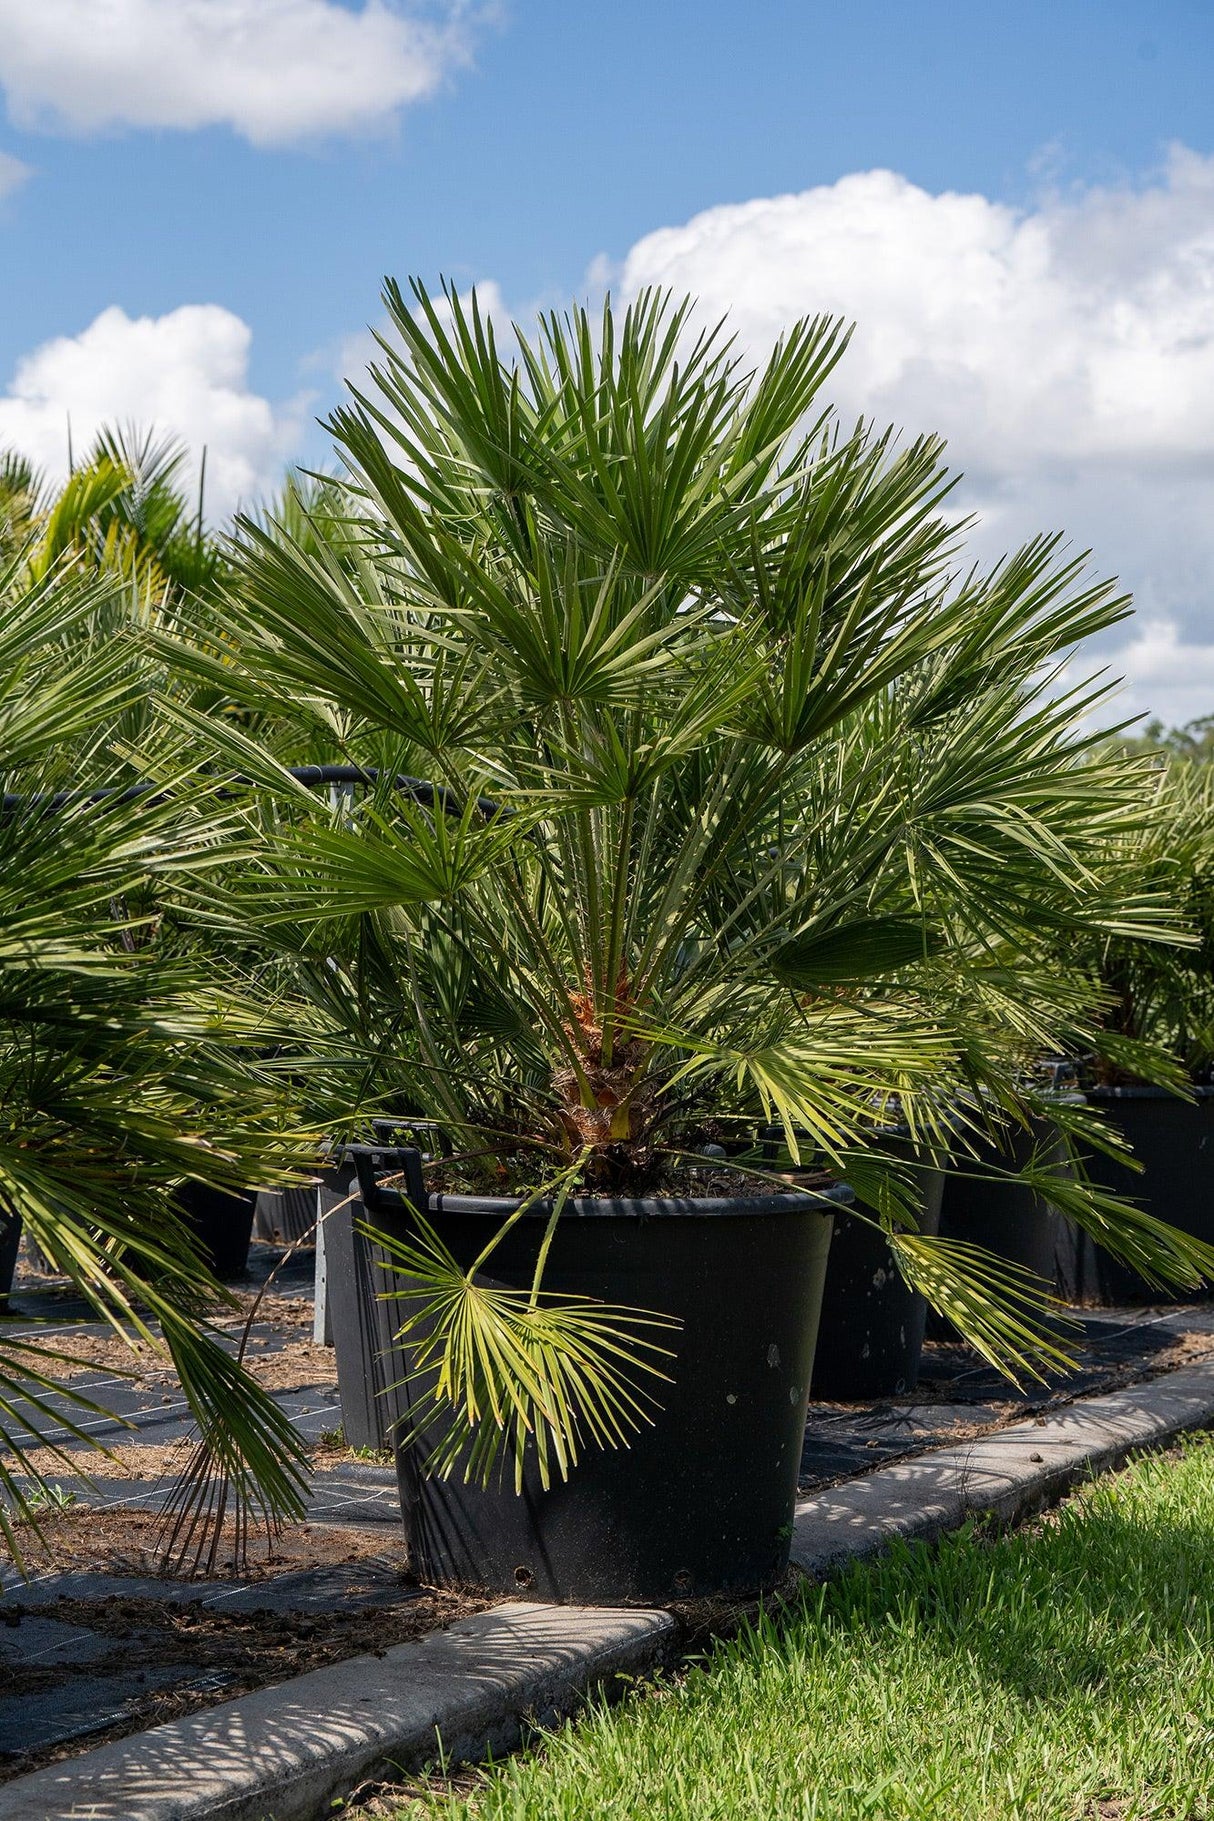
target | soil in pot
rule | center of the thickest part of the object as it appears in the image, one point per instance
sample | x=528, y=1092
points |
x=1174, y=1141
x=870, y=1335
x=701, y=1501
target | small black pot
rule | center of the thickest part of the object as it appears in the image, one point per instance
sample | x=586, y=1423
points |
x=10, y=1246
x=701, y=1501
x=222, y=1224
x=1174, y=1141
x=286, y=1216
x=1007, y=1218
x=870, y=1336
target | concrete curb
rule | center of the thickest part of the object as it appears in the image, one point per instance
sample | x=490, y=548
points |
x=284, y=1753
x=1007, y=1475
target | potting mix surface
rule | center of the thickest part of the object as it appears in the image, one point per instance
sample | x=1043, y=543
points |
x=100, y=1641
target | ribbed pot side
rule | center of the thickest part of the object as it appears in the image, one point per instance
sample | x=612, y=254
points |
x=1173, y=1139
x=1007, y=1218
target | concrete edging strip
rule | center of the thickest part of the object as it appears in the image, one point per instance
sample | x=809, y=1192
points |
x=1006, y=1475
x=284, y=1753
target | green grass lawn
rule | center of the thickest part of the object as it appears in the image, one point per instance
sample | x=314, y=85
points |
x=1063, y=1671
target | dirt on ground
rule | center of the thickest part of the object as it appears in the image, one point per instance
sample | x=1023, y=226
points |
x=127, y=1461
x=154, y=1462
x=105, y=1353
x=1185, y=1350
x=120, y=1540
x=295, y=1366
x=285, y=1314
x=286, y=1360
x=227, y=1653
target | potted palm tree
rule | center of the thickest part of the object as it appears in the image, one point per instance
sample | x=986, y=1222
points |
x=127, y=1069
x=703, y=786
x=1147, y=1072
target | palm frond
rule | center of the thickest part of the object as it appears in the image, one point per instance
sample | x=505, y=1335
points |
x=1006, y=1314
x=498, y=1370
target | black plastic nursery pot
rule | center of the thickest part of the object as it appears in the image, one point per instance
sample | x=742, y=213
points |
x=285, y=1216
x=362, y=1324
x=10, y=1246
x=1007, y=1218
x=700, y=1502
x=870, y=1335
x=222, y=1224
x=1174, y=1141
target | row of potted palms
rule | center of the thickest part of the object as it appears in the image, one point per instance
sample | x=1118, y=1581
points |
x=720, y=857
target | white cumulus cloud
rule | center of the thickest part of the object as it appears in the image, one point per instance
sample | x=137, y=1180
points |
x=1161, y=668
x=273, y=70
x=12, y=174
x=183, y=374
x=1066, y=351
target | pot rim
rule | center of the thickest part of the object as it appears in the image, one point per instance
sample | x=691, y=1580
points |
x=1149, y=1092
x=650, y=1207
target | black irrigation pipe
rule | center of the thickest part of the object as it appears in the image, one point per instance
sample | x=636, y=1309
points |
x=14, y=802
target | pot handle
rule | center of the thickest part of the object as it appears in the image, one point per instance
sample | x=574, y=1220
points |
x=372, y=1161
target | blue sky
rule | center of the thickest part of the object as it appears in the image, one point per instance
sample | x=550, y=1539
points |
x=277, y=174
x=575, y=130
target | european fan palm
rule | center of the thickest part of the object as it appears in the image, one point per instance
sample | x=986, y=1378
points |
x=1162, y=994
x=123, y=1070
x=123, y=508
x=736, y=795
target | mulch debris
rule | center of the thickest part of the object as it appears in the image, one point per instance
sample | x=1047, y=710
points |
x=81, y=1667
